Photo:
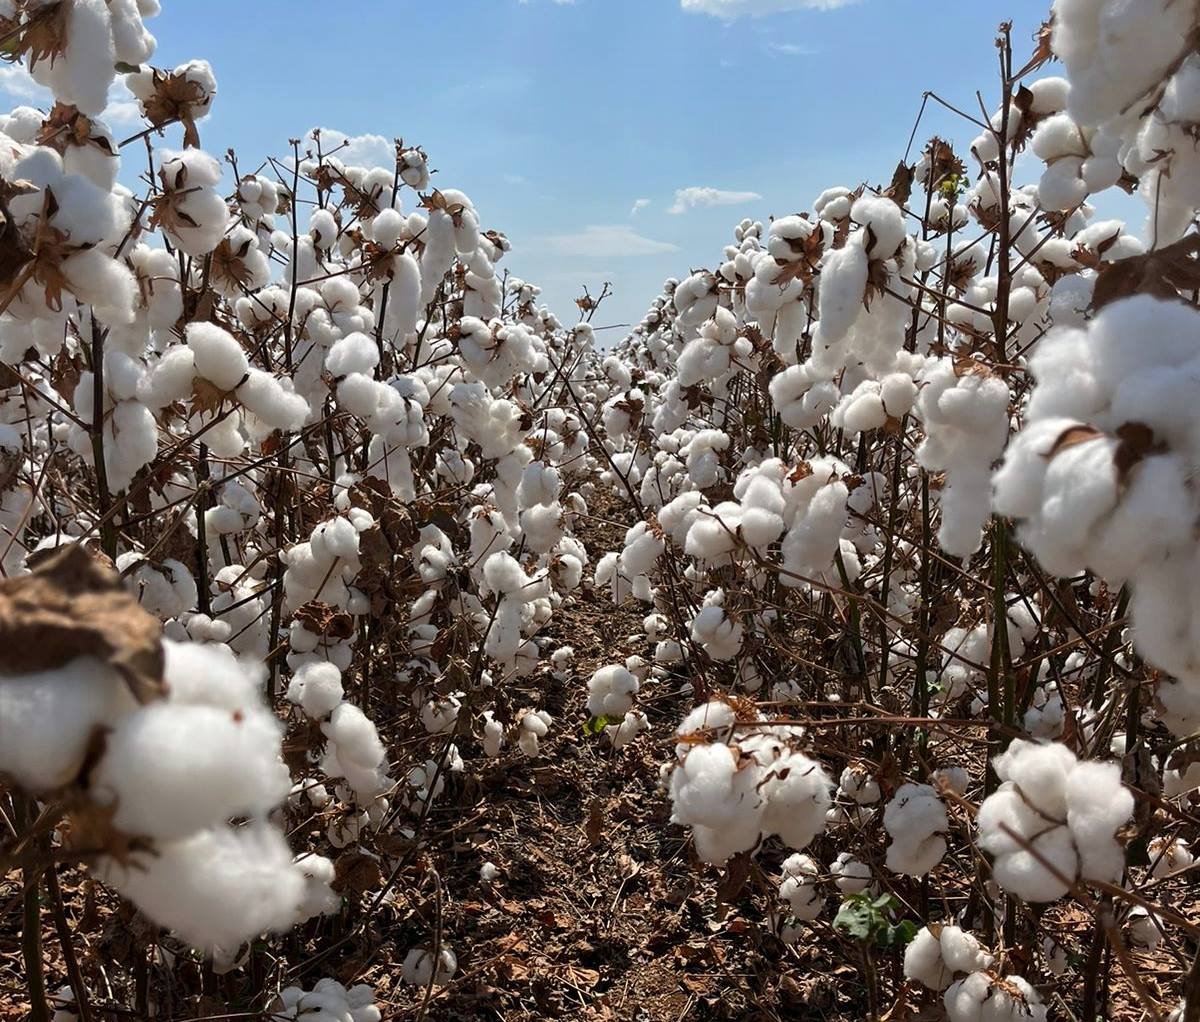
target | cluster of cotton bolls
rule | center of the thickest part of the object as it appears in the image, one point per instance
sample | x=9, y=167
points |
x=738, y=782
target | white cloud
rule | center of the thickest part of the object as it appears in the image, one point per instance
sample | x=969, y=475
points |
x=359, y=150
x=639, y=204
x=756, y=8
x=607, y=242
x=122, y=111
x=19, y=83
x=697, y=196
x=790, y=49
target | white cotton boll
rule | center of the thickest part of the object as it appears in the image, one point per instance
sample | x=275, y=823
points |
x=354, y=353
x=49, y=716
x=102, y=282
x=534, y=726
x=916, y=820
x=799, y=889
x=850, y=875
x=610, y=691
x=419, y=968
x=981, y=998
x=217, y=355
x=216, y=888
x=923, y=961
x=1097, y=805
x=797, y=792
x=955, y=779
x=317, y=688
x=886, y=223
x=843, y=284
x=388, y=228
x=632, y=724
x=272, y=400
x=357, y=752
x=209, y=764
x=493, y=735
x=82, y=74
x=716, y=717
x=857, y=784
x=1169, y=855
x=1145, y=928
x=439, y=715
x=539, y=485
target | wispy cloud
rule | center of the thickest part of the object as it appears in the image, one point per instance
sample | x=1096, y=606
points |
x=638, y=205
x=699, y=196
x=730, y=9
x=602, y=241
x=790, y=49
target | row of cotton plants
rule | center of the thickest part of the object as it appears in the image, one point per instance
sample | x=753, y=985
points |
x=943, y=430
x=295, y=480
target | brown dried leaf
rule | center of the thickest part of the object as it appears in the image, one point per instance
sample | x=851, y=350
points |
x=73, y=606
x=901, y=187
x=357, y=872
x=1163, y=272
x=734, y=880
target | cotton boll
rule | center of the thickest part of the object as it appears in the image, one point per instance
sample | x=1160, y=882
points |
x=1169, y=855
x=850, y=875
x=49, y=716
x=216, y=888
x=610, y=691
x=217, y=355
x=210, y=765
x=317, y=688
x=916, y=820
x=419, y=967
x=631, y=725
x=799, y=889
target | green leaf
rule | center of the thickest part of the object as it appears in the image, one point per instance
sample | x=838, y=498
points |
x=595, y=725
x=127, y=69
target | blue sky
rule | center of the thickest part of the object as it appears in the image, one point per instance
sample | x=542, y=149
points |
x=556, y=118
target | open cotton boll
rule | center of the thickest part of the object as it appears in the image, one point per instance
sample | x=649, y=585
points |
x=799, y=890
x=47, y=719
x=419, y=967
x=982, y=997
x=354, y=353
x=916, y=820
x=843, y=284
x=216, y=888
x=850, y=875
x=217, y=356
x=1069, y=811
x=82, y=73
x=317, y=688
x=796, y=790
x=210, y=764
x=936, y=953
x=632, y=724
x=610, y=691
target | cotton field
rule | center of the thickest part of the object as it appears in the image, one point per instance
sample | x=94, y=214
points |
x=376, y=644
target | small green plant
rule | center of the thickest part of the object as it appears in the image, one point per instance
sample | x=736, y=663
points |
x=868, y=920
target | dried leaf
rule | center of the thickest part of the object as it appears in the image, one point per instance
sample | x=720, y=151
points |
x=73, y=606
x=357, y=872
x=1163, y=272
